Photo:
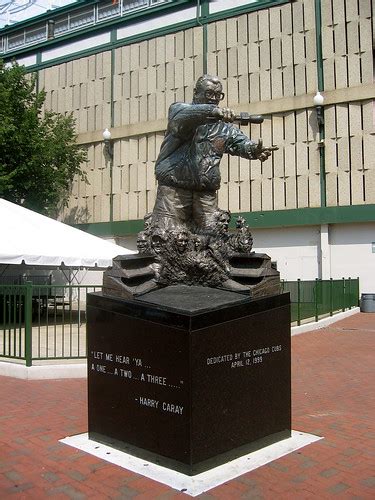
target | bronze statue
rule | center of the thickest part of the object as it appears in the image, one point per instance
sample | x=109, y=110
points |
x=187, y=169
x=186, y=238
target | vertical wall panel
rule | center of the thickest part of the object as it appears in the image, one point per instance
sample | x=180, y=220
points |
x=256, y=195
x=279, y=197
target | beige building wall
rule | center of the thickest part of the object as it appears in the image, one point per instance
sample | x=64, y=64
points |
x=347, y=36
x=83, y=87
x=148, y=77
x=267, y=60
x=262, y=60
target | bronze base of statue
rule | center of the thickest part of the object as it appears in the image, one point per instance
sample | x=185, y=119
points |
x=134, y=275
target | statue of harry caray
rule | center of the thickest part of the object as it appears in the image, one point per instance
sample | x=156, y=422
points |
x=186, y=238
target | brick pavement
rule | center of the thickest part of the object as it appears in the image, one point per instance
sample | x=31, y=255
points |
x=333, y=380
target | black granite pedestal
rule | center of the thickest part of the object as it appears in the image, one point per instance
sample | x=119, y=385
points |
x=189, y=377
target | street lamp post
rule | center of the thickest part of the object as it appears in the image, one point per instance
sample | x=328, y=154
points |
x=107, y=137
x=318, y=101
x=108, y=151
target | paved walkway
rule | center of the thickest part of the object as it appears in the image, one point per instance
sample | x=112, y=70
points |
x=333, y=396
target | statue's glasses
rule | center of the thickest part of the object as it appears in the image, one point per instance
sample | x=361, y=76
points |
x=211, y=94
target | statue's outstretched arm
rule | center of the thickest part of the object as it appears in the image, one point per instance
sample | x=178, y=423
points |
x=184, y=118
x=238, y=144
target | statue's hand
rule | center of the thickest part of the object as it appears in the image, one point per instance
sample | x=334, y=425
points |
x=225, y=114
x=261, y=153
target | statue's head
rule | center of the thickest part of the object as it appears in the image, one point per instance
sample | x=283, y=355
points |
x=208, y=90
x=197, y=242
x=159, y=240
x=222, y=220
x=245, y=242
x=143, y=242
x=240, y=222
x=181, y=240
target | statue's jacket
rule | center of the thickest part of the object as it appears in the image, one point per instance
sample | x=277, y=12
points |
x=194, y=144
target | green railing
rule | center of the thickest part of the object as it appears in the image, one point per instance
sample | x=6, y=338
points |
x=48, y=322
x=43, y=322
x=317, y=298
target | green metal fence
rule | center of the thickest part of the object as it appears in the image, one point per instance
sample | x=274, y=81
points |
x=316, y=298
x=43, y=322
x=48, y=322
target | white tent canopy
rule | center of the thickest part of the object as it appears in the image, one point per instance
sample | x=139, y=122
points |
x=36, y=240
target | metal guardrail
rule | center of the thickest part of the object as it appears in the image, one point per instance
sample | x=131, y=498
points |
x=48, y=322
x=43, y=322
x=317, y=298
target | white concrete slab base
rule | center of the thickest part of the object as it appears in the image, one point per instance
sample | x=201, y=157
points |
x=43, y=372
x=309, y=327
x=193, y=485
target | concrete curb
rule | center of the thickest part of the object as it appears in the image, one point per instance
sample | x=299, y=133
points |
x=309, y=327
x=43, y=372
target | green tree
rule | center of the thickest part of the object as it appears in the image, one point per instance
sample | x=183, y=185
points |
x=39, y=156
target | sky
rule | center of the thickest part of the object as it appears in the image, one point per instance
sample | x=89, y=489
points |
x=15, y=11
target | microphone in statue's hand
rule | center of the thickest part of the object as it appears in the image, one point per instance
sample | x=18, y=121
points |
x=228, y=115
x=263, y=153
x=244, y=118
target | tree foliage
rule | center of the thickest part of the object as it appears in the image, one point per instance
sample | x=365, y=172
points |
x=39, y=156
